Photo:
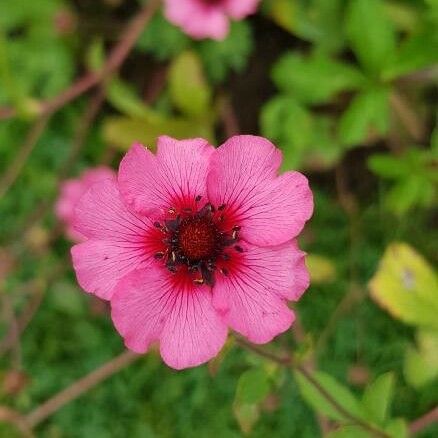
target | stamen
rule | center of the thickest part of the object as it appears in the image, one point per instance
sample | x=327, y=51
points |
x=198, y=198
x=157, y=225
x=221, y=207
x=159, y=255
x=238, y=248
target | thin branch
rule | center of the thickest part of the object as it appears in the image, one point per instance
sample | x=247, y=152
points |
x=21, y=157
x=288, y=361
x=424, y=421
x=407, y=116
x=114, y=61
x=79, y=387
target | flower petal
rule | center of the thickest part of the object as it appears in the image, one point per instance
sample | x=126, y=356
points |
x=70, y=193
x=101, y=214
x=152, y=304
x=271, y=210
x=120, y=241
x=194, y=332
x=251, y=297
x=239, y=9
x=196, y=19
x=99, y=264
x=172, y=178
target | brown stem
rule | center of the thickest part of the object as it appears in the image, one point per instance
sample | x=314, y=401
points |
x=288, y=361
x=407, y=116
x=114, y=61
x=425, y=420
x=79, y=387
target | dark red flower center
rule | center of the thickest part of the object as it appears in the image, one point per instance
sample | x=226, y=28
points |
x=211, y=2
x=197, y=241
x=197, y=238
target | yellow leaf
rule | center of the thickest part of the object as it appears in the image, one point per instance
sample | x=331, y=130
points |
x=406, y=286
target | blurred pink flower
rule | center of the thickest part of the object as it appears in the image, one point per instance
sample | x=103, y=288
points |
x=71, y=191
x=207, y=18
x=193, y=240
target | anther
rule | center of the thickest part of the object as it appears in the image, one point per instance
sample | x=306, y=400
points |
x=198, y=281
x=238, y=248
x=225, y=257
x=159, y=255
x=187, y=210
x=198, y=198
x=157, y=225
x=171, y=210
x=236, y=228
x=221, y=207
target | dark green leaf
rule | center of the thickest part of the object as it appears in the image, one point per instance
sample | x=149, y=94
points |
x=368, y=110
x=315, y=79
x=371, y=34
x=221, y=57
x=338, y=392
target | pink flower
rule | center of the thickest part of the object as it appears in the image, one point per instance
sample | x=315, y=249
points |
x=207, y=18
x=71, y=191
x=193, y=240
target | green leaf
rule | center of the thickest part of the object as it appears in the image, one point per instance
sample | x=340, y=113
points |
x=371, y=34
x=282, y=12
x=315, y=79
x=417, y=52
x=421, y=363
x=231, y=54
x=304, y=139
x=188, y=89
x=247, y=416
x=290, y=125
x=397, y=428
x=377, y=398
x=123, y=97
x=162, y=39
x=406, y=286
x=124, y=131
x=368, y=110
x=388, y=166
x=322, y=269
x=253, y=386
x=349, y=432
x=338, y=392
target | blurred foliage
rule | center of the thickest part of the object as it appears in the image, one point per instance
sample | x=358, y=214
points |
x=348, y=90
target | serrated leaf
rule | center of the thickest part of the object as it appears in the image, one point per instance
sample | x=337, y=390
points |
x=188, y=89
x=421, y=363
x=368, y=110
x=370, y=34
x=231, y=54
x=417, y=52
x=315, y=79
x=406, y=286
x=162, y=39
x=338, y=392
x=377, y=398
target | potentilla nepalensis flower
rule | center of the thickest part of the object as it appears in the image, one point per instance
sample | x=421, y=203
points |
x=193, y=240
x=72, y=190
x=207, y=18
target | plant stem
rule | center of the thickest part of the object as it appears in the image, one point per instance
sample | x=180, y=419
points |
x=425, y=420
x=288, y=361
x=79, y=387
x=114, y=61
